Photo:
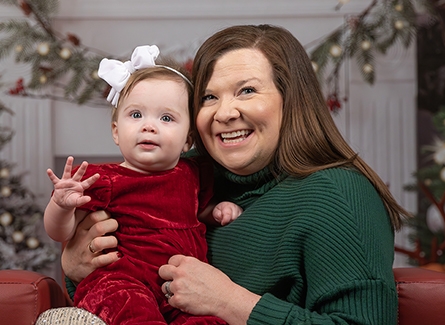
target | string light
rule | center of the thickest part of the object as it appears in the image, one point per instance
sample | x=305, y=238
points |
x=4, y=172
x=315, y=66
x=5, y=219
x=5, y=191
x=43, y=79
x=365, y=45
x=65, y=53
x=368, y=68
x=95, y=75
x=32, y=242
x=18, y=48
x=399, y=24
x=335, y=51
x=43, y=48
x=18, y=236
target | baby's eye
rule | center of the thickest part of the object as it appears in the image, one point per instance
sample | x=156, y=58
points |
x=166, y=118
x=136, y=115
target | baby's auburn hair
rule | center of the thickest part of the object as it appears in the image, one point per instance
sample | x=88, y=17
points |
x=158, y=72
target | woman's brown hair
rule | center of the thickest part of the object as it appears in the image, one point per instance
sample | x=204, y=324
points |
x=309, y=139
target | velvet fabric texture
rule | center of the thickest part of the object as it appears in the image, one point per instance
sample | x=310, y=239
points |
x=157, y=215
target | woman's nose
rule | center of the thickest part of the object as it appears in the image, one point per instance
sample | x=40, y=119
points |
x=226, y=111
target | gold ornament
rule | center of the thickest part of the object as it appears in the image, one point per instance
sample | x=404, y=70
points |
x=5, y=191
x=65, y=53
x=367, y=68
x=314, y=66
x=32, y=242
x=4, y=172
x=18, y=236
x=399, y=24
x=43, y=48
x=335, y=51
x=6, y=219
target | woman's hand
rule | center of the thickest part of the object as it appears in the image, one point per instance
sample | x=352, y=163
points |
x=78, y=259
x=200, y=289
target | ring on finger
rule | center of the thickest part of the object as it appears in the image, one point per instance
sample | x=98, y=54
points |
x=90, y=247
x=168, y=293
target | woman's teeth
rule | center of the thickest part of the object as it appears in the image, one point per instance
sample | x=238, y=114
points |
x=234, y=137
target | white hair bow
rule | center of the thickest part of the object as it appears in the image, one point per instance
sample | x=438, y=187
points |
x=117, y=73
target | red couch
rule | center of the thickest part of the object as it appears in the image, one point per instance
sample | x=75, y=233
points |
x=24, y=295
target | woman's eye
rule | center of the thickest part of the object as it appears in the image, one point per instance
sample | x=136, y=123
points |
x=247, y=90
x=207, y=97
x=166, y=118
x=136, y=115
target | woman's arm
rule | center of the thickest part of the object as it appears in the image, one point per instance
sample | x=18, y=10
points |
x=77, y=259
x=201, y=289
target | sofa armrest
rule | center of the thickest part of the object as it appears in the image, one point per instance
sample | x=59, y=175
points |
x=25, y=294
x=421, y=296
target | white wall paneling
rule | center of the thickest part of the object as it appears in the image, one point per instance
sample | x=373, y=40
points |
x=31, y=148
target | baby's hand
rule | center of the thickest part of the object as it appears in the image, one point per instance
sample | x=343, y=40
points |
x=68, y=191
x=225, y=212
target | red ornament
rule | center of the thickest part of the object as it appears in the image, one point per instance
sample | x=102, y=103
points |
x=19, y=88
x=188, y=65
x=334, y=104
x=73, y=39
x=25, y=8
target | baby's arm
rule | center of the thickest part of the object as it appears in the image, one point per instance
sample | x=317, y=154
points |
x=226, y=212
x=60, y=219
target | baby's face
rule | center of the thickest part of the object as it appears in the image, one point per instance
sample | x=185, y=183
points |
x=152, y=126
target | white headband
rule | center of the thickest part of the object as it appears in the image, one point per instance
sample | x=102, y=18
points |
x=117, y=73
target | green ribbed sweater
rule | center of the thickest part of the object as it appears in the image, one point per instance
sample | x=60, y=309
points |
x=319, y=250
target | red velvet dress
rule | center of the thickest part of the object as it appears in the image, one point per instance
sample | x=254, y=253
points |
x=157, y=215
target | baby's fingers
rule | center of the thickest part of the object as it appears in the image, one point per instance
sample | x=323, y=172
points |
x=90, y=181
x=80, y=171
x=52, y=176
x=68, y=168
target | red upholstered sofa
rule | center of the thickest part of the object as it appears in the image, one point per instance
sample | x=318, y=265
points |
x=24, y=295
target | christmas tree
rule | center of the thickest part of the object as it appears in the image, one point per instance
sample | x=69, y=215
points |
x=428, y=225
x=20, y=219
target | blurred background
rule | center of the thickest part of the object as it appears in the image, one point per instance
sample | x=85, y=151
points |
x=374, y=58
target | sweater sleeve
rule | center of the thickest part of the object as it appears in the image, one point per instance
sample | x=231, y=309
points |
x=347, y=248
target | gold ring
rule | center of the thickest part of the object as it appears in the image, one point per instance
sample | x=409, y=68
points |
x=90, y=247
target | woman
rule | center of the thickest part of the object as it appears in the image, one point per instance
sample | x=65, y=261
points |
x=315, y=242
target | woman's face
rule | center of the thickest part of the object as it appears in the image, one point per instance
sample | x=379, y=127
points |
x=240, y=118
